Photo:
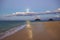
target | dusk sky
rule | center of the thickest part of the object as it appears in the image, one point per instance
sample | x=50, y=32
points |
x=11, y=6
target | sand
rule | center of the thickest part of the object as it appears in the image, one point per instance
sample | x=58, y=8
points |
x=38, y=31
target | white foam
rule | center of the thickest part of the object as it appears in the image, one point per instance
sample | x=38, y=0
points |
x=11, y=31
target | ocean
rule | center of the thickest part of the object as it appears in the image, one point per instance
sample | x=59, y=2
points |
x=6, y=25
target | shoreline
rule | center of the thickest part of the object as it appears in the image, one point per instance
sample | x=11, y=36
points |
x=11, y=31
x=38, y=31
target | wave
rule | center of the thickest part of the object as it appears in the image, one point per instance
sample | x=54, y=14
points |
x=11, y=31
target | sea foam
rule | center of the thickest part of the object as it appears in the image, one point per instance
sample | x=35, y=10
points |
x=11, y=31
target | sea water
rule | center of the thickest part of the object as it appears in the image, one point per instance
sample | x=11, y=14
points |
x=6, y=25
x=10, y=27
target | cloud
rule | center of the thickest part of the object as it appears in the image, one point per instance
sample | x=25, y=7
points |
x=57, y=10
x=31, y=13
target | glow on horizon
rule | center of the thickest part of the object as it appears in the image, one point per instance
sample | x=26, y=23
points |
x=27, y=10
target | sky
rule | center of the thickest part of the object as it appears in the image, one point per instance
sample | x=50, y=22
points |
x=12, y=6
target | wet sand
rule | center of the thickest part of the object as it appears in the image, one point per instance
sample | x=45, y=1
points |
x=38, y=31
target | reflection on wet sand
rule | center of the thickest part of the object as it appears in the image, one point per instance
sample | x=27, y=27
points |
x=38, y=31
x=29, y=30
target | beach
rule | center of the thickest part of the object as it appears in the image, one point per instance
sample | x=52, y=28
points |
x=38, y=31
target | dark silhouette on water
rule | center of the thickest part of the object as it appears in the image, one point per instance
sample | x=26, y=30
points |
x=50, y=19
x=37, y=20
